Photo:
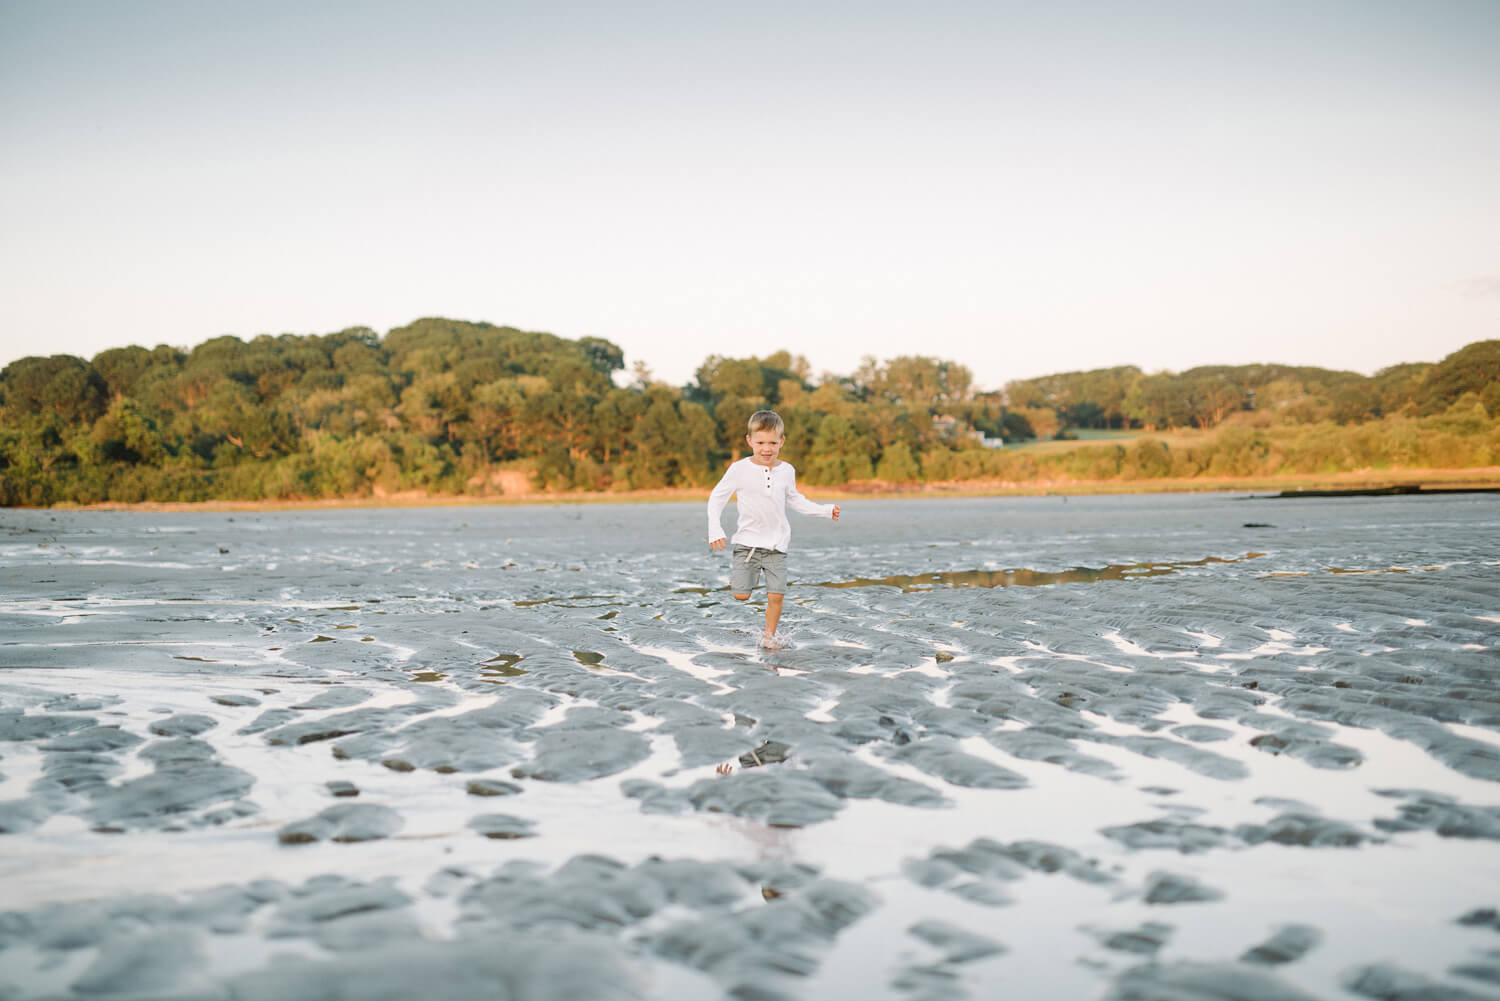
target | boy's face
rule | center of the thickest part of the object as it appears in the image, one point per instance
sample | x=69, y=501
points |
x=764, y=446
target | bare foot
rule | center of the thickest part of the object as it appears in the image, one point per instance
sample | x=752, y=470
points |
x=771, y=641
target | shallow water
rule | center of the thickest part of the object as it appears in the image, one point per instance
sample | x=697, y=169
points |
x=1063, y=747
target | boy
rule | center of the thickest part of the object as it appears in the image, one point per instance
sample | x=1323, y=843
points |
x=766, y=486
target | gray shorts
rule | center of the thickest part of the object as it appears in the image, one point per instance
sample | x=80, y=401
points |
x=750, y=563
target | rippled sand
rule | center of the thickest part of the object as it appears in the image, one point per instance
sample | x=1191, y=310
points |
x=1129, y=748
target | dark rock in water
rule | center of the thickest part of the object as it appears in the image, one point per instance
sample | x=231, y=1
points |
x=1290, y=943
x=1473, y=758
x=340, y=697
x=700, y=885
x=1201, y=982
x=1486, y=971
x=178, y=752
x=451, y=744
x=1200, y=734
x=315, y=903
x=268, y=720
x=372, y=746
x=1309, y=743
x=514, y=710
x=235, y=700
x=958, y=945
x=74, y=773
x=1039, y=856
x=1034, y=744
x=341, y=725
x=346, y=822
x=815, y=912
x=672, y=710
x=779, y=797
x=96, y=739
x=367, y=932
x=17, y=815
x=1172, y=888
x=770, y=752
x=1482, y=917
x=223, y=910
x=952, y=722
x=491, y=787
x=16, y=726
x=183, y=725
x=342, y=788
x=588, y=717
x=938, y=982
x=980, y=857
x=982, y=892
x=706, y=743
x=1144, y=940
x=1303, y=829
x=1384, y=982
x=186, y=778
x=80, y=703
x=578, y=755
x=941, y=758
x=851, y=778
x=57, y=927
x=930, y=872
x=503, y=826
x=1190, y=756
x=1182, y=837
x=1435, y=812
x=655, y=797
x=778, y=876
x=142, y=965
x=588, y=892
x=762, y=952
x=520, y=968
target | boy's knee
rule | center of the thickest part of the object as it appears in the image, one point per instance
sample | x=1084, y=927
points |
x=742, y=597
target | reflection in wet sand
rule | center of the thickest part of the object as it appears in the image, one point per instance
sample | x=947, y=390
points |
x=1031, y=578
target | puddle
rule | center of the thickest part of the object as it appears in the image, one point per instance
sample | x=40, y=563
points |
x=564, y=601
x=503, y=665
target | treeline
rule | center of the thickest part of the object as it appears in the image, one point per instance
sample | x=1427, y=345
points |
x=445, y=406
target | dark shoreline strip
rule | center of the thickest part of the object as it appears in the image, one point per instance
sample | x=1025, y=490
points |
x=1399, y=489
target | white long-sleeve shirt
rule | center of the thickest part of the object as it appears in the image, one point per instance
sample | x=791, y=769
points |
x=765, y=492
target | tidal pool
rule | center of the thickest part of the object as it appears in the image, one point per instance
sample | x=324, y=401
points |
x=1216, y=747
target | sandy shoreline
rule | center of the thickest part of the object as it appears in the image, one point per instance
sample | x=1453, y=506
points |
x=1119, y=748
x=1487, y=477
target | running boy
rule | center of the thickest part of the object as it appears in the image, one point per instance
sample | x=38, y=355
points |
x=766, y=486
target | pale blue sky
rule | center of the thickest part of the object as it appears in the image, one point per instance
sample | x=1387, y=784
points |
x=1026, y=188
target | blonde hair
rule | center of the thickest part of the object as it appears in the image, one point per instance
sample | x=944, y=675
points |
x=767, y=420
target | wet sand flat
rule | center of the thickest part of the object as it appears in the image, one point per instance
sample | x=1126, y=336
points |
x=1139, y=747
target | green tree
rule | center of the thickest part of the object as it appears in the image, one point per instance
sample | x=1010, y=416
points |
x=1474, y=368
x=897, y=464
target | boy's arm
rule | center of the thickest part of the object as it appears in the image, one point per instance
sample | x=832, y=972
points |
x=802, y=505
x=716, y=501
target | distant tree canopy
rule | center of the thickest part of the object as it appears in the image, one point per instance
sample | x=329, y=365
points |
x=451, y=406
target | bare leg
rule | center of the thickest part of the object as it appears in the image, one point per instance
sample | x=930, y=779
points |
x=773, y=612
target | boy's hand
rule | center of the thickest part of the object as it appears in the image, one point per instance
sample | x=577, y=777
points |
x=717, y=545
x=835, y=512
